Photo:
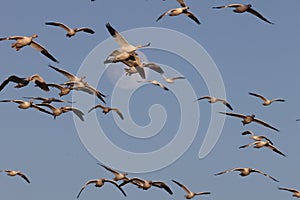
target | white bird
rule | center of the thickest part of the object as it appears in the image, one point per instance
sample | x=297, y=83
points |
x=250, y=118
x=260, y=144
x=246, y=172
x=125, y=46
x=256, y=137
x=182, y=10
x=27, y=104
x=145, y=185
x=15, y=173
x=77, y=83
x=70, y=31
x=266, y=101
x=241, y=8
x=21, y=82
x=22, y=41
x=296, y=192
x=212, y=99
x=154, y=82
x=58, y=111
x=64, y=90
x=189, y=194
x=105, y=110
x=99, y=183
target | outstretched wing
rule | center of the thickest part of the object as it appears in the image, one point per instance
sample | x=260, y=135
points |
x=87, y=183
x=43, y=50
x=192, y=16
x=85, y=29
x=267, y=175
x=160, y=184
x=186, y=189
x=265, y=124
x=58, y=24
x=257, y=14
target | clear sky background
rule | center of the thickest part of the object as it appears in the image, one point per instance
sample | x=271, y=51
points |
x=251, y=55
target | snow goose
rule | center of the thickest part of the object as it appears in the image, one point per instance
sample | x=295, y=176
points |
x=27, y=104
x=241, y=8
x=256, y=137
x=296, y=192
x=118, y=175
x=154, y=82
x=58, y=111
x=145, y=185
x=246, y=172
x=189, y=194
x=99, y=183
x=212, y=99
x=64, y=90
x=182, y=10
x=21, y=82
x=250, y=118
x=70, y=31
x=77, y=83
x=266, y=101
x=105, y=110
x=125, y=46
x=22, y=41
x=260, y=144
x=15, y=173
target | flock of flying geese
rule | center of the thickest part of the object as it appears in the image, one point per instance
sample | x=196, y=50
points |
x=127, y=55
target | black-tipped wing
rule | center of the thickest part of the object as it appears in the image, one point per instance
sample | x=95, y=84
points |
x=267, y=175
x=24, y=177
x=118, y=112
x=87, y=183
x=186, y=189
x=58, y=24
x=85, y=29
x=254, y=12
x=164, y=14
x=97, y=106
x=160, y=184
x=273, y=148
x=119, y=187
x=193, y=17
x=265, y=124
x=288, y=189
x=44, y=51
x=258, y=95
x=70, y=76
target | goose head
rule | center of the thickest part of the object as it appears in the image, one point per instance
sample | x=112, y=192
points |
x=34, y=36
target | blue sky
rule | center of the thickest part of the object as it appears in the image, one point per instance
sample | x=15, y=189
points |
x=250, y=55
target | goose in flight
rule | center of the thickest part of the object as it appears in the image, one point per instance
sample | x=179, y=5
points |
x=246, y=172
x=64, y=90
x=154, y=82
x=15, y=173
x=118, y=175
x=241, y=8
x=256, y=137
x=260, y=144
x=77, y=83
x=266, y=101
x=99, y=183
x=250, y=118
x=21, y=82
x=184, y=9
x=125, y=46
x=48, y=100
x=296, y=192
x=145, y=185
x=22, y=41
x=189, y=194
x=212, y=99
x=131, y=60
x=70, y=31
x=105, y=110
x=27, y=104
x=58, y=111
x=171, y=80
